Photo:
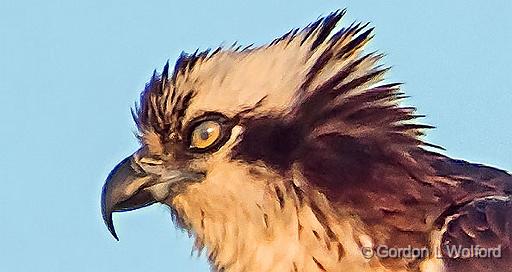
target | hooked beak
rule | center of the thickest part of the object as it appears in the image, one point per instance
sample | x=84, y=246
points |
x=130, y=187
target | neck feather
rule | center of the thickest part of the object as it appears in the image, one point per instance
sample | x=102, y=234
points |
x=286, y=230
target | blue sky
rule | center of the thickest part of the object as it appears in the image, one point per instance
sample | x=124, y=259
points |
x=71, y=70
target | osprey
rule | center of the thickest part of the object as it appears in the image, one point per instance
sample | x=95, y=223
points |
x=295, y=156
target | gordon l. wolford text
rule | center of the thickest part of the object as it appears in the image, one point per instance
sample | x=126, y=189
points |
x=446, y=251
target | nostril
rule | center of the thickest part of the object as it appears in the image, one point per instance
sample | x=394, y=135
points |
x=150, y=161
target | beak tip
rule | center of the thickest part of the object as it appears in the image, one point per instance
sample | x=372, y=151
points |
x=115, y=235
x=106, y=211
x=110, y=224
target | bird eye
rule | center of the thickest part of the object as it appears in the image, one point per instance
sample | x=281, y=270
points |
x=205, y=135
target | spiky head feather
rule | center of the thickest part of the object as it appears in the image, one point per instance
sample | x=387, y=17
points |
x=314, y=77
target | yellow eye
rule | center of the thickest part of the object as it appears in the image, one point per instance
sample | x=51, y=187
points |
x=205, y=135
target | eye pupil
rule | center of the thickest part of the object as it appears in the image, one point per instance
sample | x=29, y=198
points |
x=205, y=134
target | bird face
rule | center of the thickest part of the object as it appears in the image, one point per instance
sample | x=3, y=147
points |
x=254, y=143
x=191, y=133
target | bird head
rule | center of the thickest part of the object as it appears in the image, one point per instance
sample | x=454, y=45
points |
x=240, y=134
